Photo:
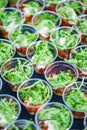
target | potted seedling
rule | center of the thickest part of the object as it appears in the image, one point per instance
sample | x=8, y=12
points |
x=69, y=12
x=45, y=22
x=10, y=18
x=15, y=71
x=7, y=50
x=54, y=116
x=33, y=93
x=51, y=4
x=81, y=27
x=22, y=37
x=65, y=38
x=22, y=124
x=41, y=54
x=78, y=57
x=75, y=97
x=59, y=74
x=9, y=110
x=30, y=7
x=3, y=3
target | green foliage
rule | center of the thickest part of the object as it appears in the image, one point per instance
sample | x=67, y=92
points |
x=6, y=51
x=19, y=73
x=58, y=117
x=79, y=58
x=30, y=93
x=8, y=109
x=43, y=53
x=65, y=38
x=61, y=79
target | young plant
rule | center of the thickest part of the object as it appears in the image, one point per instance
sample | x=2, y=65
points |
x=10, y=18
x=19, y=73
x=74, y=5
x=8, y=111
x=6, y=51
x=29, y=8
x=61, y=79
x=59, y=74
x=41, y=54
x=76, y=98
x=67, y=12
x=29, y=92
x=79, y=57
x=54, y=117
x=65, y=38
x=22, y=39
x=45, y=22
x=32, y=7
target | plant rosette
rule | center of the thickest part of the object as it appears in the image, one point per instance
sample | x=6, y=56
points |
x=10, y=109
x=16, y=71
x=69, y=12
x=65, y=38
x=0, y=84
x=30, y=7
x=10, y=18
x=54, y=116
x=22, y=37
x=81, y=27
x=45, y=22
x=41, y=54
x=75, y=97
x=22, y=124
x=33, y=93
x=3, y=3
x=51, y=4
x=7, y=51
x=78, y=57
x=12, y=3
x=59, y=74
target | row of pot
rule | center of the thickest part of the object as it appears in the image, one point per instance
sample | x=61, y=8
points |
x=45, y=21
x=59, y=75
x=42, y=53
x=29, y=8
x=65, y=38
x=53, y=115
x=42, y=4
